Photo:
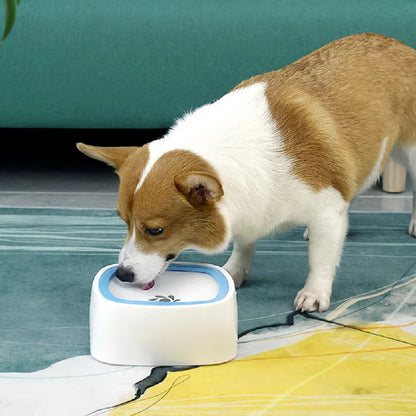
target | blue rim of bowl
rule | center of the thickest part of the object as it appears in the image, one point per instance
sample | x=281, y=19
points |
x=223, y=285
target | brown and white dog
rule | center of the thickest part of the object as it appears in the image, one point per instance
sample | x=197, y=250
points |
x=287, y=148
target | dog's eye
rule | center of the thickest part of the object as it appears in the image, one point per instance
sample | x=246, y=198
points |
x=153, y=231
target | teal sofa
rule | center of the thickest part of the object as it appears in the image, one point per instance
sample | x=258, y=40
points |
x=142, y=63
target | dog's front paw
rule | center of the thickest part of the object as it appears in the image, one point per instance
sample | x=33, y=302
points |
x=238, y=272
x=308, y=301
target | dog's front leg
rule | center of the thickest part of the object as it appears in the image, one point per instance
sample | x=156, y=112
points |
x=326, y=238
x=239, y=263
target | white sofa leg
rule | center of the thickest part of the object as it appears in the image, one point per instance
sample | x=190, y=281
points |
x=394, y=177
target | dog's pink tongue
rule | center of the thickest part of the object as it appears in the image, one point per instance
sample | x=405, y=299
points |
x=148, y=286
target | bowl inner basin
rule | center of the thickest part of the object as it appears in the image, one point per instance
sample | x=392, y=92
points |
x=180, y=284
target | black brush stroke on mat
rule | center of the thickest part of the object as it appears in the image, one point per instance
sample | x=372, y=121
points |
x=157, y=375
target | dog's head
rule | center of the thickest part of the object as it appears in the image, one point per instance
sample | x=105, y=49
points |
x=169, y=204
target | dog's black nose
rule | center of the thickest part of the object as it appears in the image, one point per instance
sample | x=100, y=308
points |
x=123, y=274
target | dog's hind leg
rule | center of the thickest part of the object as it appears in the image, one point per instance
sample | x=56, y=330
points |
x=412, y=174
x=239, y=264
x=411, y=168
x=406, y=155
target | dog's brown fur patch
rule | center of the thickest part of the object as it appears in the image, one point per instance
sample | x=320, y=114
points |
x=130, y=172
x=129, y=164
x=159, y=204
x=334, y=107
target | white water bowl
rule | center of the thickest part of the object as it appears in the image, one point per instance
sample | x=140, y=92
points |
x=189, y=317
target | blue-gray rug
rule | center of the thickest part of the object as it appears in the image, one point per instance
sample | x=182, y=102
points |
x=49, y=258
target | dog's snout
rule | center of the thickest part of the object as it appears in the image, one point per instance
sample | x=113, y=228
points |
x=124, y=274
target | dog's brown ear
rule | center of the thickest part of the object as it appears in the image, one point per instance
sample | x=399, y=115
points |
x=113, y=156
x=199, y=188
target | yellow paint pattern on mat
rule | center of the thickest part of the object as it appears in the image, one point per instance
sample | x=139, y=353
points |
x=339, y=372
